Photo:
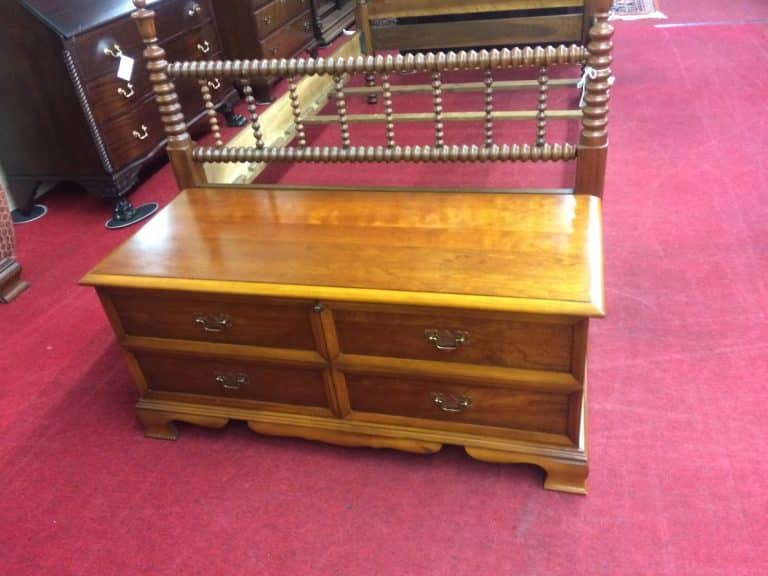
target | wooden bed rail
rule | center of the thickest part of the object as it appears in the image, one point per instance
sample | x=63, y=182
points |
x=590, y=152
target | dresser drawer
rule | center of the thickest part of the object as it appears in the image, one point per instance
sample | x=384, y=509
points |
x=290, y=39
x=111, y=97
x=464, y=337
x=213, y=318
x=197, y=44
x=228, y=378
x=173, y=17
x=451, y=402
x=133, y=135
x=270, y=17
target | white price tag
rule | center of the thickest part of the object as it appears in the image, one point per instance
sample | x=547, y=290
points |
x=125, y=68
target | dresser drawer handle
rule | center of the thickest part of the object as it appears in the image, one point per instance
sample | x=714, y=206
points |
x=232, y=381
x=273, y=51
x=126, y=92
x=446, y=340
x=456, y=405
x=214, y=84
x=194, y=9
x=267, y=19
x=216, y=323
x=143, y=135
x=307, y=26
x=115, y=51
x=204, y=46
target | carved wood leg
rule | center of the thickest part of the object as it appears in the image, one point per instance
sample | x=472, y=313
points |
x=159, y=423
x=566, y=477
x=562, y=475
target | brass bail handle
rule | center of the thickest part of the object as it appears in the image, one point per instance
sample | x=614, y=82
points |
x=446, y=340
x=216, y=323
x=232, y=381
x=450, y=403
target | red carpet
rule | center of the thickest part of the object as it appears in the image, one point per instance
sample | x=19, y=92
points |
x=678, y=399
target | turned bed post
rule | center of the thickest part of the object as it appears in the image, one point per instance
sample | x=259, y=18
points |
x=593, y=140
x=188, y=173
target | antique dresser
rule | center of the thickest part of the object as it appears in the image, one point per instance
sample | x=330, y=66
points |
x=68, y=116
x=264, y=29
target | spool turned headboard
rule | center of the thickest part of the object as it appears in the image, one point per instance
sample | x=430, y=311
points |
x=589, y=152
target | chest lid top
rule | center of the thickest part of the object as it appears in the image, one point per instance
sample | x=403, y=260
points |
x=539, y=253
x=72, y=17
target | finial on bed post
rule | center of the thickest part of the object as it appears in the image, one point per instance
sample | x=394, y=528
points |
x=593, y=142
x=188, y=172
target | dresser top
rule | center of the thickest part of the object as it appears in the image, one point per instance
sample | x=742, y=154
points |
x=539, y=253
x=72, y=17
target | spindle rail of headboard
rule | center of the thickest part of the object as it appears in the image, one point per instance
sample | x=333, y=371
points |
x=589, y=152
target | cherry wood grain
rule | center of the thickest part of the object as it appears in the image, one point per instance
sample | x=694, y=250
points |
x=278, y=384
x=256, y=322
x=490, y=341
x=490, y=406
x=512, y=249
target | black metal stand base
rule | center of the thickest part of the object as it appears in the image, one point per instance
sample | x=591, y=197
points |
x=126, y=214
x=36, y=212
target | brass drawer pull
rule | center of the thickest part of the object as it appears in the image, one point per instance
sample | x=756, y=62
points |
x=143, y=135
x=457, y=404
x=232, y=381
x=126, y=92
x=214, y=84
x=216, y=323
x=446, y=340
x=273, y=51
x=194, y=9
x=267, y=19
x=204, y=46
x=307, y=26
x=115, y=51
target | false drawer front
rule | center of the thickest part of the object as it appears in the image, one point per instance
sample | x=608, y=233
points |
x=456, y=337
x=214, y=318
x=230, y=378
x=452, y=402
x=121, y=36
x=290, y=39
x=270, y=17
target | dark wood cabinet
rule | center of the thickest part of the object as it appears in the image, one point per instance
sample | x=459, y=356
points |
x=68, y=117
x=264, y=29
x=331, y=17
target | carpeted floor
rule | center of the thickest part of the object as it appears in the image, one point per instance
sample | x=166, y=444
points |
x=678, y=369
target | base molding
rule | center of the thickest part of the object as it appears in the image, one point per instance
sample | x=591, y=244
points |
x=11, y=284
x=565, y=466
